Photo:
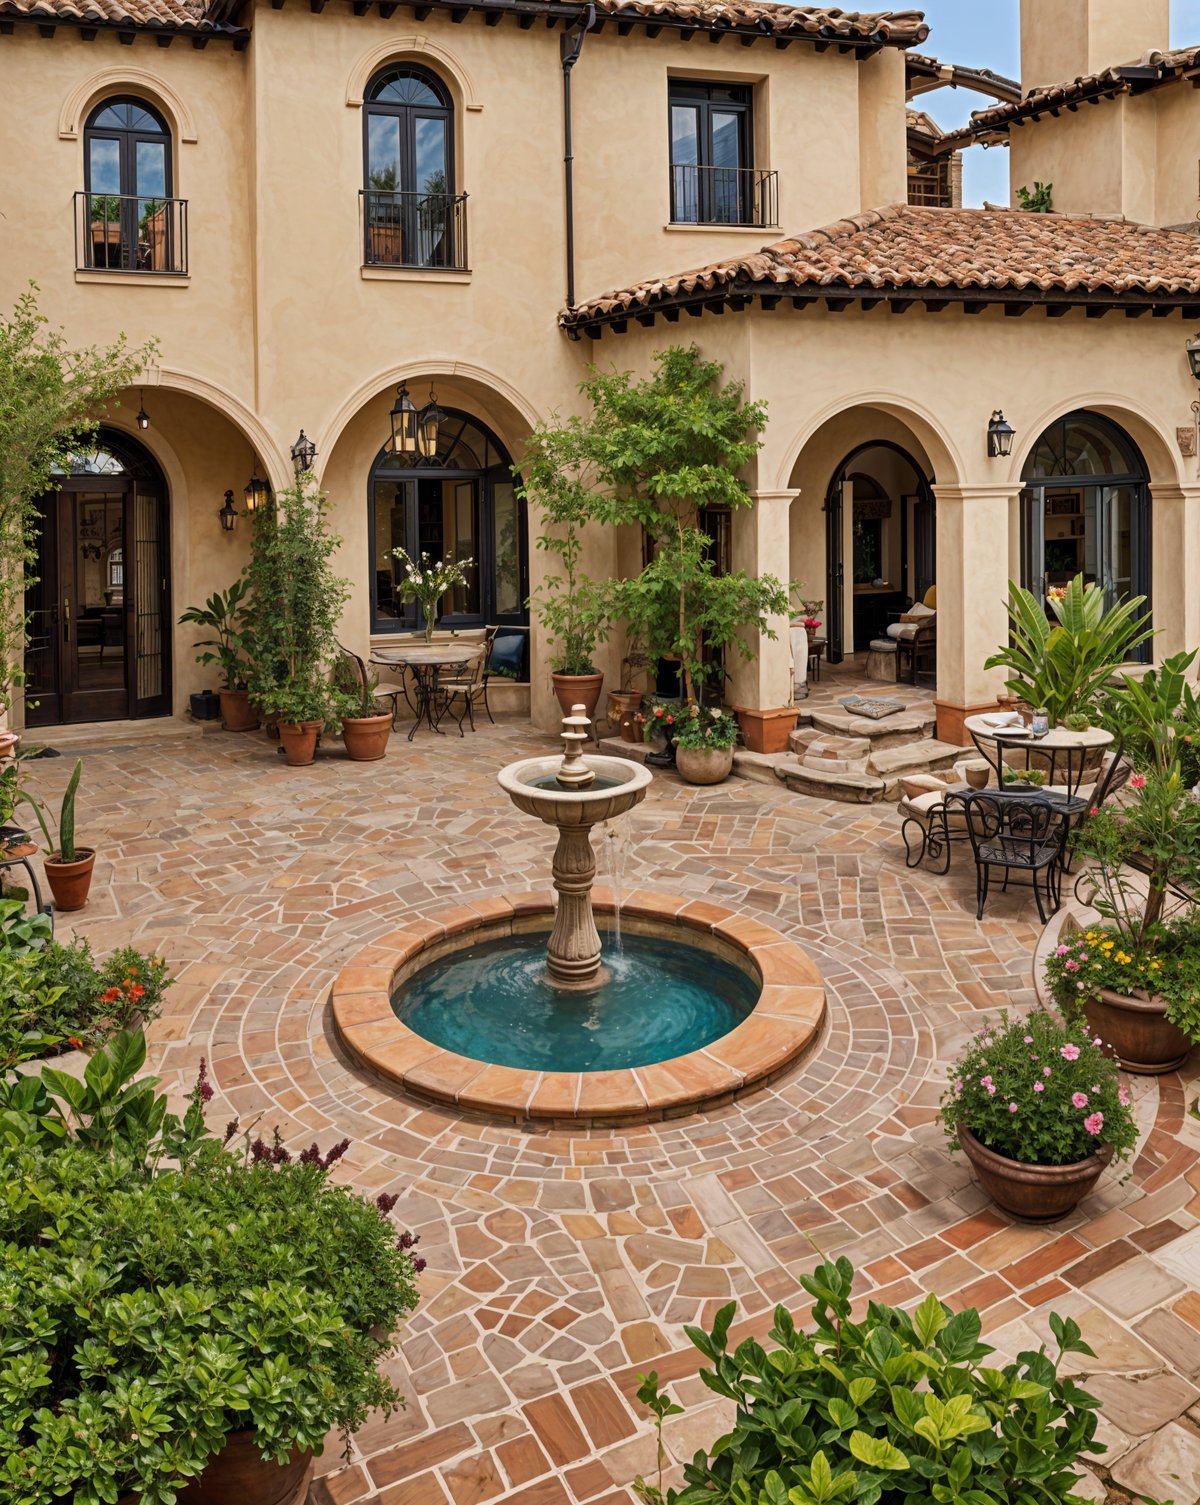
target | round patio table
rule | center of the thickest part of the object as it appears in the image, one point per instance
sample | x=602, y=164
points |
x=426, y=660
x=1067, y=752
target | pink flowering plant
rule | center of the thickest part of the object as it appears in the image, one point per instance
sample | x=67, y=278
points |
x=706, y=727
x=1040, y=1090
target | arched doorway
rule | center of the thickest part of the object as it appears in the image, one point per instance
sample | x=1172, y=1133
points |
x=880, y=543
x=459, y=502
x=99, y=635
x=1085, y=510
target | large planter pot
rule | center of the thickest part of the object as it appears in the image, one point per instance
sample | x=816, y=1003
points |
x=703, y=765
x=578, y=689
x=299, y=739
x=366, y=737
x=1033, y=1193
x=1137, y=1031
x=238, y=1475
x=766, y=731
x=237, y=714
x=70, y=882
x=623, y=706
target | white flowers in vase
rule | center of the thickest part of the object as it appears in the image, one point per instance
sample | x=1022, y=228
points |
x=428, y=583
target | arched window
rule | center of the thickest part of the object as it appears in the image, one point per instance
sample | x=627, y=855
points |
x=127, y=185
x=460, y=502
x=413, y=217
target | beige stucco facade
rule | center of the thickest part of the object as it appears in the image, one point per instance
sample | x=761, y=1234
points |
x=278, y=325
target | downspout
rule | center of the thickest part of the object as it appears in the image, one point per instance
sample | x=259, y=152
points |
x=570, y=45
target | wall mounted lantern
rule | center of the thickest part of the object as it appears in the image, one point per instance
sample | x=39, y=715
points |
x=405, y=423
x=228, y=513
x=143, y=418
x=429, y=425
x=1000, y=436
x=1192, y=347
x=257, y=492
x=304, y=452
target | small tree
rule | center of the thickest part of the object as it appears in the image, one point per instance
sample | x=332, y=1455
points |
x=51, y=400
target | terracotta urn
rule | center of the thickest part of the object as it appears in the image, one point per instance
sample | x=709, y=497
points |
x=578, y=689
x=237, y=714
x=1033, y=1193
x=1137, y=1031
x=70, y=882
x=703, y=765
x=239, y=1475
x=366, y=737
x=623, y=706
x=299, y=740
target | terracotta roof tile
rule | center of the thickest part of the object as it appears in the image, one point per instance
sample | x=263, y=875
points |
x=899, y=28
x=905, y=248
x=167, y=15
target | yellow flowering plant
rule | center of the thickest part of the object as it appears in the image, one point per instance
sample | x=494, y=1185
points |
x=1166, y=966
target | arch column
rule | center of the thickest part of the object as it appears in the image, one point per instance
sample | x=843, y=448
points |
x=1175, y=568
x=972, y=589
x=761, y=545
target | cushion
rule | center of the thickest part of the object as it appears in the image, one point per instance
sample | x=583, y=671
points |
x=875, y=709
x=924, y=803
x=882, y=645
x=507, y=657
x=931, y=598
x=902, y=630
x=918, y=613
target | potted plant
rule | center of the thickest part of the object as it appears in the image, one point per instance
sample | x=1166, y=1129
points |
x=427, y=583
x=301, y=705
x=625, y=703
x=365, y=728
x=1038, y=1107
x=68, y=867
x=704, y=741
x=223, y=614
x=659, y=719
x=202, y=1361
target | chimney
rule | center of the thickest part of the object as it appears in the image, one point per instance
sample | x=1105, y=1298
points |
x=1066, y=39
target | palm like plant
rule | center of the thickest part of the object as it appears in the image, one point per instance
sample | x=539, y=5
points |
x=1064, y=665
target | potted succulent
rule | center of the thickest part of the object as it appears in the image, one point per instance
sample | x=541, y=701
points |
x=68, y=867
x=1037, y=1105
x=705, y=737
x=365, y=728
x=428, y=583
x=201, y=1362
x=224, y=615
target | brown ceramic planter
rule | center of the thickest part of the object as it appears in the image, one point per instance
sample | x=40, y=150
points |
x=366, y=737
x=578, y=689
x=299, y=741
x=623, y=706
x=237, y=714
x=1137, y=1031
x=1033, y=1193
x=238, y=1475
x=766, y=731
x=70, y=882
x=703, y=765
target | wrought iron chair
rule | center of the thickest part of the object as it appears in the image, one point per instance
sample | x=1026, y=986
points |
x=470, y=687
x=1018, y=833
x=356, y=667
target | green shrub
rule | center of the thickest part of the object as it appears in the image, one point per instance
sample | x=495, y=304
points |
x=890, y=1410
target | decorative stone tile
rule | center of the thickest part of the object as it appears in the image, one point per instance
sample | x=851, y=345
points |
x=1165, y=1467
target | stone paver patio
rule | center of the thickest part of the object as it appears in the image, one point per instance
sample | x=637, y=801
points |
x=564, y=1263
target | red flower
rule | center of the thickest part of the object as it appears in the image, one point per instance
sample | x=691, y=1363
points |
x=1094, y=810
x=137, y=991
x=75, y=1041
x=110, y=995
x=670, y=721
x=1138, y=781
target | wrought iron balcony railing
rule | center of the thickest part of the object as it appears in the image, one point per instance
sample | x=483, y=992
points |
x=414, y=229
x=127, y=233
x=724, y=196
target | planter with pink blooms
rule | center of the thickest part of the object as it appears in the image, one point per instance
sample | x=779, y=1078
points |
x=1037, y=1105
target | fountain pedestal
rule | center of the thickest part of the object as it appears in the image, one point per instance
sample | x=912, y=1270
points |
x=573, y=952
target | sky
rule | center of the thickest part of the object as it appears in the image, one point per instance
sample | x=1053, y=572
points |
x=986, y=33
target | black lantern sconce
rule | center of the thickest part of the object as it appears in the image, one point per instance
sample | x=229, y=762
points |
x=257, y=492
x=228, y=513
x=143, y=418
x=429, y=426
x=405, y=424
x=1192, y=347
x=1000, y=436
x=304, y=452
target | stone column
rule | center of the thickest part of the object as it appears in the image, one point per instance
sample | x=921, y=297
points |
x=761, y=688
x=972, y=588
x=1175, y=568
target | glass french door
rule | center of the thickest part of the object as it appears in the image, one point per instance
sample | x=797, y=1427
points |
x=99, y=611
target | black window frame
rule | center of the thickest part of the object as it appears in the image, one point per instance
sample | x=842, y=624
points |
x=406, y=226
x=706, y=98
x=128, y=139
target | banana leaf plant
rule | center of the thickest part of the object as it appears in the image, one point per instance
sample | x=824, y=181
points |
x=1065, y=665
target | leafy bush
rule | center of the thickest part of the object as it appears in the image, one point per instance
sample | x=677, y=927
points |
x=890, y=1410
x=1167, y=966
x=706, y=728
x=1040, y=1091
x=147, y=1311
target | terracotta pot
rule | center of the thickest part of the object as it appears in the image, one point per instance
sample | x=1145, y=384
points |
x=703, y=765
x=578, y=689
x=238, y=1475
x=70, y=881
x=766, y=731
x=623, y=706
x=237, y=714
x=299, y=741
x=1138, y=1033
x=1033, y=1193
x=366, y=737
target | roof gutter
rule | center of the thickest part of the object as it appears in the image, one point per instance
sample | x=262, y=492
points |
x=570, y=45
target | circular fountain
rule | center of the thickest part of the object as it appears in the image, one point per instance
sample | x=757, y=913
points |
x=507, y=1005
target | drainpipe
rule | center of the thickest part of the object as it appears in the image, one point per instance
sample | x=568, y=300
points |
x=570, y=45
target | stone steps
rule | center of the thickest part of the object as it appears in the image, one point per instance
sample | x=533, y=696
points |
x=911, y=725
x=823, y=783
x=930, y=756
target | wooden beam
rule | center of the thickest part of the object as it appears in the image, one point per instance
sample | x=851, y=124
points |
x=901, y=305
x=867, y=304
x=524, y=21
x=361, y=7
x=653, y=31
x=1057, y=310
x=387, y=9
x=782, y=42
x=693, y=309
x=458, y=15
x=316, y=6
x=973, y=307
x=1191, y=311
x=592, y=331
x=768, y=301
x=837, y=305
x=646, y=320
x=1097, y=310
x=716, y=307
x=200, y=42
x=1137, y=312
x=164, y=38
x=935, y=305
x=748, y=39
x=619, y=326
x=671, y=314
x=1161, y=311
x=47, y=29
x=7, y=28
x=493, y=17
x=126, y=38
x=687, y=34
x=1015, y=310
x=715, y=36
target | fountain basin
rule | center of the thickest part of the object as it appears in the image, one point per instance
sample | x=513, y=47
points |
x=530, y=786
x=781, y=1026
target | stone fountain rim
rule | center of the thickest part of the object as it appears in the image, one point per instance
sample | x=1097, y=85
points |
x=640, y=778
x=783, y=1025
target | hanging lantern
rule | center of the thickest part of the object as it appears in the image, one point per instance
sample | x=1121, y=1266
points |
x=304, y=452
x=429, y=426
x=228, y=513
x=404, y=423
x=143, y=418
x=257, y=492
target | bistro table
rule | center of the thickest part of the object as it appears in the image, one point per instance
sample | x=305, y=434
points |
x=1067, y=754
x=426, y=660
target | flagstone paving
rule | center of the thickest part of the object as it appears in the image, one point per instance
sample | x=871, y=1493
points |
x=563, y=1263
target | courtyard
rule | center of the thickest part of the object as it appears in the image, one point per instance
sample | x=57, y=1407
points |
x=563, y=1263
